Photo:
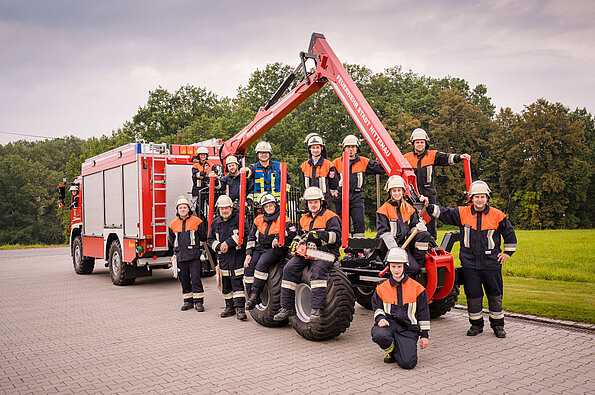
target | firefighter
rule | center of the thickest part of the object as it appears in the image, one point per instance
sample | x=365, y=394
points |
x=231, y=182
x=185, y=235
x=318, y=171
x=263, y=250
x=323, y=228
x=223, y=238
x=423, y=160
x=481, y=257
x=396, y=219
x=359, y=167
x=201, y=170
x=265, y=173
x=401, y=313
x=74, y=197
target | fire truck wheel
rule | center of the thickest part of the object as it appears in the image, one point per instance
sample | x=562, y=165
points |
x=442, y=306
x=336, y=316
x=363, y=296
x=270, y=299
x=117, y=267
x=82, y=264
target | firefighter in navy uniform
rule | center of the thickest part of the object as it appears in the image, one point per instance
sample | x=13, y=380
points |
x=360, y=167
x=201, y=169
x=318, y=171
x=185, y=234
x=263, y=250
x=401, y=313
x=231, y=182
x=265, y=173
x=423, y=160
x=396, y=219
x=481, y=227
x=323, y=227
x=223, y=238
x=74, y=197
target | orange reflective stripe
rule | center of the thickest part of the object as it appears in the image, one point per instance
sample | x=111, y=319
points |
x=390, y=211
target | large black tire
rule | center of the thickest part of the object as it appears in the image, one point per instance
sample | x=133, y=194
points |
x=81, y=263
x=270, y=299
x=336, y=316
x=442, y=306
x=117, y=267
x=363, y=296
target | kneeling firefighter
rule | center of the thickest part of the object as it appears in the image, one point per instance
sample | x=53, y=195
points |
x=263, y=250
x=320, y=229
x=224, y=238
x=396, y=219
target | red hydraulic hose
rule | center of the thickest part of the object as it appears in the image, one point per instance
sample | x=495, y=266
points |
x=242, y=208
x=468, y=179
x=345, y=201
x=211, y=200
x=283, y=203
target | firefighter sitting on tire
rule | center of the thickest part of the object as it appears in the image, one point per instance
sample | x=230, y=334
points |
x=482, y=227
x=324, y=228
x=401, y=313
x=263, y=250
x=359, y=168
x=185, y=234
x=223, y=238
x=396, y=219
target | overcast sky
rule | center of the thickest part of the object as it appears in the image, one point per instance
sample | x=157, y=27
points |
x=84, y=67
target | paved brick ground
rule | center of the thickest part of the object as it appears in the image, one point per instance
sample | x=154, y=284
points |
x=61, y=332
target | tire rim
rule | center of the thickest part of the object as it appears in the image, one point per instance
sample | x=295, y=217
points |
x=365, y=291
x=77, y=256
x=116, y=263
x=302, y=302
x=264, y=299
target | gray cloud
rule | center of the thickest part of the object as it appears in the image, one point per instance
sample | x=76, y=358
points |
x=83, y=68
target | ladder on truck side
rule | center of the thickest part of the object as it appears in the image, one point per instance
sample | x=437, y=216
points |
x=159, y=194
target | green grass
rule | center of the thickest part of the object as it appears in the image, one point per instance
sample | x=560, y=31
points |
x=22, y=246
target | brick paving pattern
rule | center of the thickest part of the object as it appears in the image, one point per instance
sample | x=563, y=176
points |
x=62, y=332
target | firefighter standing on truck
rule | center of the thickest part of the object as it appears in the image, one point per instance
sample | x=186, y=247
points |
x=318, y=171
x=396, y=220
x=359, y=168
x=263, y=250
x=200, y=179
x=481, y=258
x=185, y=235
x=224, y=238
x=265, y=173
x=401, y=313
x=423, y=160
x=231, y=182
x=323, y=229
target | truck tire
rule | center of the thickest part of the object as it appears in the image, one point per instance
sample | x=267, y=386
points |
x=81, y=263
x=363, y=296
x=117, y=267
x=336, y=316
x=442, y=306
x=270, y=299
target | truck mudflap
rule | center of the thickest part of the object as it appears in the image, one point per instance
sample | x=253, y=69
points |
x=435, y=259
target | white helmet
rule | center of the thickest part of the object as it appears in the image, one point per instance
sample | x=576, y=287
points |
x=182, y=200
x=350, y=140
x=231, y=159
x=314, y=139
x=397, y=255
x=267, y=198
x=395, y=181
x=313, y=193
x=74, y=188
x=263, y=146
x=224, y=201
x=419, y=134
x=202, y=150
x=478, y=187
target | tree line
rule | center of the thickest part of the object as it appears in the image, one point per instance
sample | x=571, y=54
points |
x=539, y=162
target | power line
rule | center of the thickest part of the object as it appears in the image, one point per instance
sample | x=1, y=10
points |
x=27, y=135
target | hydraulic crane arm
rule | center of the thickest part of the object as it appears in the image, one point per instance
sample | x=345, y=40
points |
x=328, y=69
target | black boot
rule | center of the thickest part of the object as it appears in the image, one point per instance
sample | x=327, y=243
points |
x=199, y=307
x=241, y=314
x=390, y=358
x=474, y=330
x=499, y=332
x=315, y=315
x=283, y=314
x=187, y=305
x=228, y=312
x=253, y=301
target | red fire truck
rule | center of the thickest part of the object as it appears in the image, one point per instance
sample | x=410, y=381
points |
x=126, y=200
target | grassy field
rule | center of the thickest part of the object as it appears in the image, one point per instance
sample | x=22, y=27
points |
x=22, y=246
